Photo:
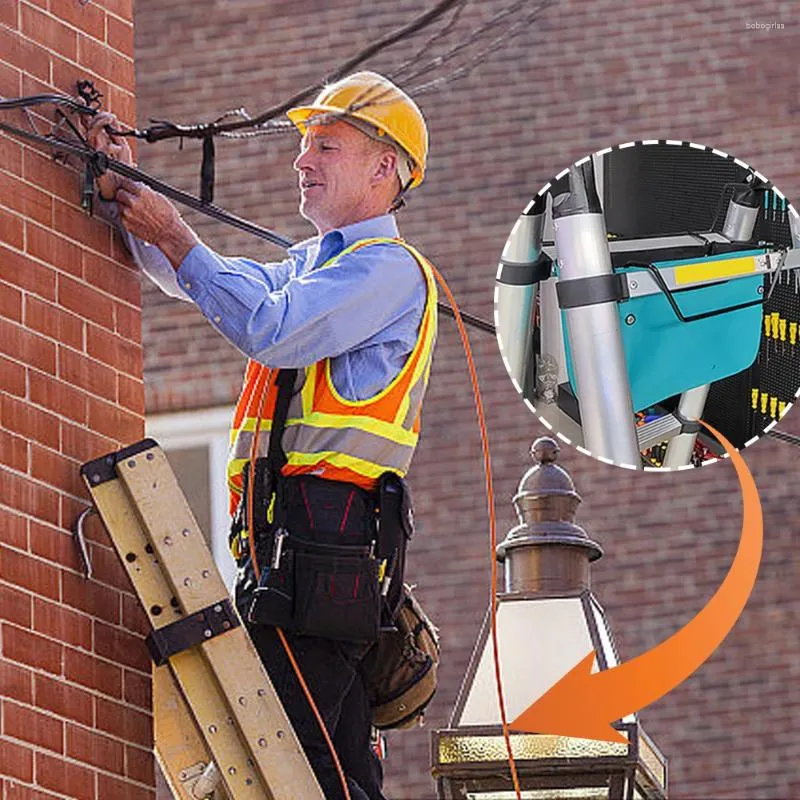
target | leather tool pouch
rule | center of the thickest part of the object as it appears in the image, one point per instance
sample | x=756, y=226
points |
x=320, y=574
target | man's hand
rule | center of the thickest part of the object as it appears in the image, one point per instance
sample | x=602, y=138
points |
x=116, y=147
x=151, y=217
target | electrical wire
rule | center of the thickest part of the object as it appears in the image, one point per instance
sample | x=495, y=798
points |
x=487, y=469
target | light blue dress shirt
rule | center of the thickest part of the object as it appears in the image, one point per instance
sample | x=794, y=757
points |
x=363, y=313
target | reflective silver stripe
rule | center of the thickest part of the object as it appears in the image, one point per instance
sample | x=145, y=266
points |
x=352, y=442
x=415, y=401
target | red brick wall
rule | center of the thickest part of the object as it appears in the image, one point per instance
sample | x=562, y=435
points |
x=75, y=703
x=590, y=74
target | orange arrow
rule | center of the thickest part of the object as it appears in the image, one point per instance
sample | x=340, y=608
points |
x=584, y=705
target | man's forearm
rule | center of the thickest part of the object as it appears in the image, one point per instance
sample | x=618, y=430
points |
x=176, y=242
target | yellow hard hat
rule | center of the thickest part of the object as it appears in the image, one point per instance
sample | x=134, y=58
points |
x=373, y=99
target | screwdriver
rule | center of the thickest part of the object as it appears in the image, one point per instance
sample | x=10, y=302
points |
x=767, y=332
x=773, y=407
x=783, y=335
x=775, y=319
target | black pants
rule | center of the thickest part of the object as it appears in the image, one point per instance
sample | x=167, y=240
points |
x=331, y=671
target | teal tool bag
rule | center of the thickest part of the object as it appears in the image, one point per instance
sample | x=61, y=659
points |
x=667, y=356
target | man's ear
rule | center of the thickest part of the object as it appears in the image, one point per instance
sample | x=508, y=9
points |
x=386, y=166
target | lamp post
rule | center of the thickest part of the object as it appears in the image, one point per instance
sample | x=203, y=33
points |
x=547, y=620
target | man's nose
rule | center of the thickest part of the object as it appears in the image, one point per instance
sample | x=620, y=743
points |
x=303, y=161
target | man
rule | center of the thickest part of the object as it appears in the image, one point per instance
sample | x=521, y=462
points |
x=353, y=310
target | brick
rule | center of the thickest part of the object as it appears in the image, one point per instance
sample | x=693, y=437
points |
x=102, y=60
x=64, y=700
x=29, y=573
x=62, y=624
x=88, y=373
x=128, y=322
x=12, y=377
x=119, y=353
x=58, y=396
x=138, y=689
x=15, y=606
x=16, y=269
x=121, y=8
x=56, y=470
x=89, y=18
x=93, y=748
x=54, y=322
x=28, y=347
x=113, y=422
x=63, y=777
x=124, y=722
x=35, y=651
x=130, y=394
x=55, y=545
x=13, y=451
x=16, y=682
x=133, y=616
x=107, y=569
x=121, y=282
x=18, y=792
x=74, y=224
x=10, y=154
x=13, y=529
x=120, y=36
x=56, y=178
x=48, y=246
x=12, y=229
x=114, y=787
x=9, y=13
x=121, y=647
x=10, y=81
x=31, y=423
x=85, y=301
x=82, y=444
x=10, y=302
x=123, y=104
x=17, y=760
x=92, y=672
x=66, y=74
x=49, y=32
x=91, y=598
x=25, y=199
x=33, y=726
x=139, y=764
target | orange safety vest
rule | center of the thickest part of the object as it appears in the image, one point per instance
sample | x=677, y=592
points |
x=328, y=435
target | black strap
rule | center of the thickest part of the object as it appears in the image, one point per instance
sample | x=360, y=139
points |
x=276, y=457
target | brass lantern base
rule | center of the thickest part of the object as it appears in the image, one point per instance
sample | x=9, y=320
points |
x=470, y=763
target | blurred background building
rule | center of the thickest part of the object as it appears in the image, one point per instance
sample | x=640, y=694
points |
x=586, y=75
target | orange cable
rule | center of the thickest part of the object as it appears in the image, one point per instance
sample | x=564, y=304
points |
x=281, y=635
x=487, y=468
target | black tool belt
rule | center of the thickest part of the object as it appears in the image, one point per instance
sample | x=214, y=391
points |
x=331, y=555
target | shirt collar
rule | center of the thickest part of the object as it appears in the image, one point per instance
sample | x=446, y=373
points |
x=320, y=249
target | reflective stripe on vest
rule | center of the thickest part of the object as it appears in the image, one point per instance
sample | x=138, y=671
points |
x=328, y=435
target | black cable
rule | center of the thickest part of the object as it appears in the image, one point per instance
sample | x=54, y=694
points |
x=100, y=162
x=169, y=130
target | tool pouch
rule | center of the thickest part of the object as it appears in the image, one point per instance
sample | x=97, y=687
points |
x=320, y=577
x=396, y=527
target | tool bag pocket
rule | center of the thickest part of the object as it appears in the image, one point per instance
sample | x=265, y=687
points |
x=321, y=590
x=274, y=598
x=337, y=596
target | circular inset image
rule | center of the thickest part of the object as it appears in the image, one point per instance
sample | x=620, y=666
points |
x=650, y=285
